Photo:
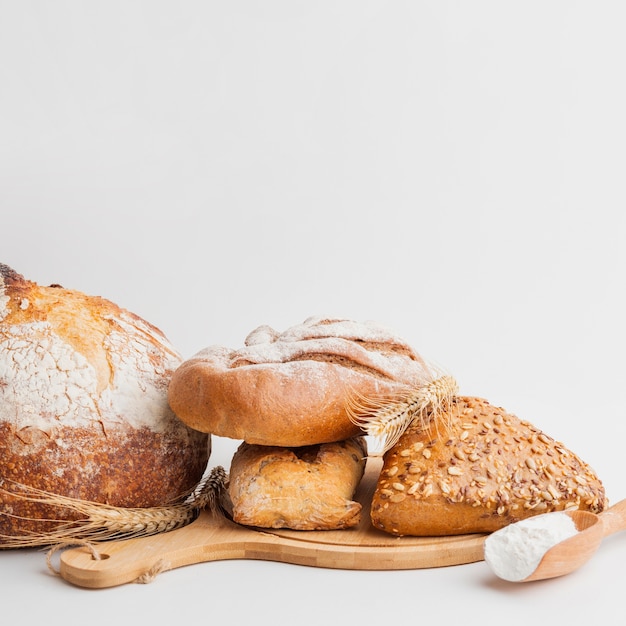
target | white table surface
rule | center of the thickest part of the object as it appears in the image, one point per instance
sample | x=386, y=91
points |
x=269, y=593
x=454, y=170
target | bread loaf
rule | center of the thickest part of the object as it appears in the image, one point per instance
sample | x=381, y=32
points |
x=83, y=406
x=292, y=388
x=308, y=488
x=478, y=469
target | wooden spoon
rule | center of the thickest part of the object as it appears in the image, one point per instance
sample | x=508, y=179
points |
x=570, y=554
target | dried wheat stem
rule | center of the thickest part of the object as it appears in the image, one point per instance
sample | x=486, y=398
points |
x=102, y=522
x=385, y=419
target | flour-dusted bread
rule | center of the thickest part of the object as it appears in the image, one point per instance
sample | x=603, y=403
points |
x=478, y=469
x=83, y=406
x=308, y=488
x=293, y=388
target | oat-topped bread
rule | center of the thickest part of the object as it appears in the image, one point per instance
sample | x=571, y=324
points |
x=83, y=406
x=477, y=469
x=292, y=388
x=305, y=488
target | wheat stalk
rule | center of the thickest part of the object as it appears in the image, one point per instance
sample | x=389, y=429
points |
x=386, y=419
x=103, y=522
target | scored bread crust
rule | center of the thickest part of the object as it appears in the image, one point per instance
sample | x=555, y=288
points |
x=307, y=488
x=293, y=388
x=480, y=469
x=83, y=406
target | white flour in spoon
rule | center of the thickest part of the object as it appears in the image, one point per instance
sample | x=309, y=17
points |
x=513, y=552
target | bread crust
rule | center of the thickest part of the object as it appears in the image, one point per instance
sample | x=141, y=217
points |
x=83, y=406
x=479, y=470
x=292, y=388
x=309, y=488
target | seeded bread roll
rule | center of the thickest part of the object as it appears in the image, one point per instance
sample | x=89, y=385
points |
x=309, y=488
x=292, y=388
x=83, y=406
x=483, y=471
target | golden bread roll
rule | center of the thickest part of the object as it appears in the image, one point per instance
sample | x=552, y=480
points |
x=83, y=406
x=292, y=388
x=478, y=469
x=308, y=488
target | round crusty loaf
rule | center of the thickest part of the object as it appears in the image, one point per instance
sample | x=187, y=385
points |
x=292, y=388
x=83, y=406
x=478, y=470
x=304, y=488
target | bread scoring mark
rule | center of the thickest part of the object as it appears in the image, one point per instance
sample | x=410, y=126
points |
x=367, y=347
x=240, y=361
x=324, y=328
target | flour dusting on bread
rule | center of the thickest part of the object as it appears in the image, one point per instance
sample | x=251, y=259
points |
x=293, y=388
x=366, y=345
x=83, y=407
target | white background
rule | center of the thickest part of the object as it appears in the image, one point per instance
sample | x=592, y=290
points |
x=454, y=170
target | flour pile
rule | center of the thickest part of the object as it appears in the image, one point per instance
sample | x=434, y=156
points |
x=514, y=551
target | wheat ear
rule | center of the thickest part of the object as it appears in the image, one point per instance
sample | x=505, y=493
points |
x=385, y=419
x=103, y=522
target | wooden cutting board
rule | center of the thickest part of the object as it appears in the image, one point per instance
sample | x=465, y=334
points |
x=213, y=537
